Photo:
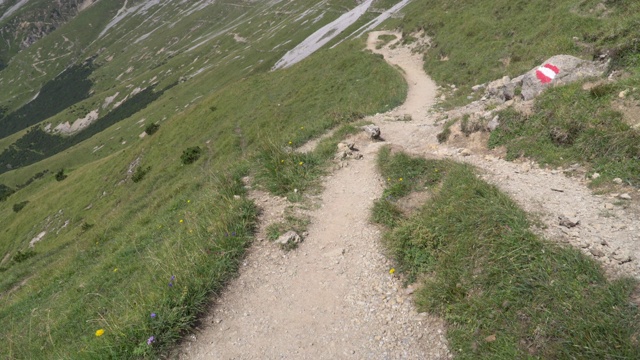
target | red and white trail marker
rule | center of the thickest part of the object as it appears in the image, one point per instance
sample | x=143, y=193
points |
x=546, y=73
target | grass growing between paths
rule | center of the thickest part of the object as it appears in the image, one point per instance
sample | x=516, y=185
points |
x=475, y=41
x=569, y=125
x=505, y=293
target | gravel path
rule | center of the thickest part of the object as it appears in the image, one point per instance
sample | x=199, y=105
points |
x=334, y=298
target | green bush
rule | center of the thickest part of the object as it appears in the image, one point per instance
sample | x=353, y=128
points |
x=60, y=175
x=191, y=155
x=21, y=256
x=19, y=206
x=152, y=128
x=140, y=173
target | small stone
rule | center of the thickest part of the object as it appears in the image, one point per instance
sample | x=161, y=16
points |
x=289, y=238
x=609, y=206
x=617, y=181
x=596, y=252
x=623, y=94
x=477, y=88
x=494, y=123
x=490, y=338
x=465, y=152
x=624, y=196
x=568, y=222
x=407, y=117
x=595, y=176
x=372, y=130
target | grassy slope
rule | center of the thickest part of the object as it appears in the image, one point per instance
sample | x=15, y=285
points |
x=136, y=228
x=225, y=60
x=505, y=293
x=485, y=40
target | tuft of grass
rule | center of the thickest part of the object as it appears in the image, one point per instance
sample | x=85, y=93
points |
x=572, y=125
x=285, y=172
x=505, y=292
x=443, y=136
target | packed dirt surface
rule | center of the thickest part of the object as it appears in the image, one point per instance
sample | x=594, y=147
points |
x=334, y=296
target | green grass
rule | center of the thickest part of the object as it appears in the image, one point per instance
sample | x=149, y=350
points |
x=572, y=125
x=486, y=274
x=109, y=267
x=487, y=39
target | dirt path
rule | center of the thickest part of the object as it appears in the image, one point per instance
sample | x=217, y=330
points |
x=333, y=297
x=609, y=229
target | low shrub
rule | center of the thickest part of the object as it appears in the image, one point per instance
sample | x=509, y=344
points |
x=191, y=155
x=19, y=206
x=60, y=175
x=140, y=173
x=152, y=128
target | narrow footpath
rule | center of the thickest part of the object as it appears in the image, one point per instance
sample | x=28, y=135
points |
x=333, y=297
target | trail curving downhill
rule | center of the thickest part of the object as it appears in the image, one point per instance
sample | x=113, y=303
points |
x=333, y=297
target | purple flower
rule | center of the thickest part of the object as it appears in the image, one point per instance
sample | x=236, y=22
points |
x=153, y=315
x=151, y=340
x=233, y=233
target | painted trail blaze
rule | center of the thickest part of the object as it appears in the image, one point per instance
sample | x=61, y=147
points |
x=546, y=73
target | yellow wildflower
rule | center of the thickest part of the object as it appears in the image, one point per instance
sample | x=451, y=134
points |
x=392, y=270
x=281, y=161
x=302, y=128
x=100, y=332
x=115, y=269
x=181, y=221
x=188, y=201
x=300, y=163
x=400, y=179
x=290, y=143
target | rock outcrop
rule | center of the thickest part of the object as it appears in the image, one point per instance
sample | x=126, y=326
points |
x=530, y=84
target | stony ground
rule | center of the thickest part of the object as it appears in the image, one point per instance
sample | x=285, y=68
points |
x=334, y=298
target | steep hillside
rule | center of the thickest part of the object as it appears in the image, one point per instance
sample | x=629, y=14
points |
x=129, y=130
x=135, y=206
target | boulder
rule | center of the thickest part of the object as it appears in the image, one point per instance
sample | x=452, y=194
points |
x=571, y=69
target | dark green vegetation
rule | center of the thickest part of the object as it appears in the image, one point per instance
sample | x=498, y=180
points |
x=38, y=144
x=572, y=125
x=506, y=293
x=68, y=88
x=478, y=41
